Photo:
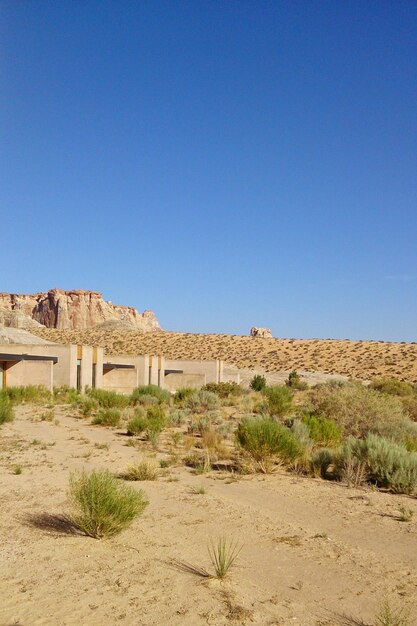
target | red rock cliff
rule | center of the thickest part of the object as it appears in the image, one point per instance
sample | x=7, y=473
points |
x=76, y=309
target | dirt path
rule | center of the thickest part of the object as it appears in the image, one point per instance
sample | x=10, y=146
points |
x=311, y=549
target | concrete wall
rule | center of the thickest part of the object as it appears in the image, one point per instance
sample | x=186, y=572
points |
x=172, y=382
x=120, y=380
x=25, y=373
x=212, y=370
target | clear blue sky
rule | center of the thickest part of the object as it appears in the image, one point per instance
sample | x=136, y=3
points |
x=222, y=163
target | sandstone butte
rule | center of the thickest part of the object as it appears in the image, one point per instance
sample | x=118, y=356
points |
x=76, y=309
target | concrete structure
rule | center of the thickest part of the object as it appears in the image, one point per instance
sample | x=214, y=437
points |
x=84, y=366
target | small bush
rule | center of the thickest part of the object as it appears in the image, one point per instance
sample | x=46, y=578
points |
x=107, y=417
x=294, y=381
x=202, y=401
x=137, y=425
x=224, y=390
x=321, y=461
x=6, y=410
x=178, y=417
x=279, y=400
x=258, y=383
x=143, y=470
x=323, y=431
x=264, y=439
x=108, y=399
x=182, y=394
x=162, y=395
x=102, y=507
x=87, y=405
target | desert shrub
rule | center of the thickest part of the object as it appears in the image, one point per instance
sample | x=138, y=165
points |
x=224, y=390
x=320, y=462
x=178, y=417
x=381, y=461
x=392, y=387
x=101, y=506
x=138, y=423
x=264, y=439
x=182, y=394
x=198, y=424
x=146, y=400
x=223, y=555
x=323, y=431
x=6, y=410
x=87, y=405
x=410, y=406
x=29, y=393
x=201, y=401
x=107, y=417
x=162, y=395
x=355, y=408
x=351, y=463
x=66, y=395
x=142, y=470
x=108, y=399
x=278, y=400
x=258, y=383
x=294, y=381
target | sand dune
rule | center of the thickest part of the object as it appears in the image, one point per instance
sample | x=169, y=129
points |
x=363, y=360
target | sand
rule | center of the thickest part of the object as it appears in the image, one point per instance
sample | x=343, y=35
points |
x=363, y=360
x=312, y=550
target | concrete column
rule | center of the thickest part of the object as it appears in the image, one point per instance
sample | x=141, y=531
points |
x=86, y=367
x=153, y=364
x=98, y=357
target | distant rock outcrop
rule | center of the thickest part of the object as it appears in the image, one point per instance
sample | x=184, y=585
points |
x=76, y=309
x=260, y=332
x=19, y=335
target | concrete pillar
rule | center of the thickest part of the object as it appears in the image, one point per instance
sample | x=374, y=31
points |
x=153, y=364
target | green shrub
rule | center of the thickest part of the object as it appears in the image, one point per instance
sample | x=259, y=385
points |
x=392, y=387
x=224, y=390
x=102, y=507
x=108, y=399
x=137, y=424
x=355, y=408
x=258, y=382
x=66, y=395
x=294, y=381
x=6, y=410
x=201, y=401
x=29, y=393
x=321, y=461
x=278, y=400
x=264, y=439
x=323, y=431
x=182, y=394
x=87, y=405
x=107, y=417
x=162, y=395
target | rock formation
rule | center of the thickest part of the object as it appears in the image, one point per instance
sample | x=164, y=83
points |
x=77, y=309
x=260, y=332
x=19, y=335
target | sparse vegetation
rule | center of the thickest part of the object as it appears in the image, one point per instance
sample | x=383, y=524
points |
x=6, y=409
x=107, y=417
x=202, y=401
x=278, y=400
x=101, y=506
x=108, y=399
x=223, y=554
x=162, y=396
x=34, y=394
x=142, y=470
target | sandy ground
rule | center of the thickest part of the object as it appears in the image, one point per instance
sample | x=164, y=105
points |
x=363, y=360
x=312, y=550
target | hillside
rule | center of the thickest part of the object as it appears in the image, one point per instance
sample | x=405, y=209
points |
x=358, y=359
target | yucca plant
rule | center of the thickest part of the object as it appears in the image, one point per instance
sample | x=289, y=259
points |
x=223, y=555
